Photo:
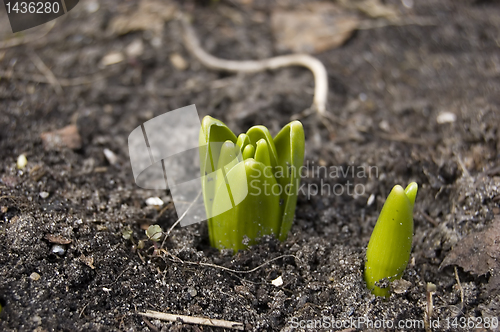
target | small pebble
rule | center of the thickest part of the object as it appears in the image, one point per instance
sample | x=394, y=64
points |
x=277, y=282
x=384, y=125
x=371, y=199
x=446, y=117
x=192, y=292
x=110, y=156
x=178, y=61
x=154, y=201
x=58, y=249
x=112, y=58
x=44, y=194
x=22, y=162
x=92, y=7
x=135, y=49
x=34, y=276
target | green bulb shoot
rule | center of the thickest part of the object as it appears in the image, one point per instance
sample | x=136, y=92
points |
x=249, y=182
x=389, y=248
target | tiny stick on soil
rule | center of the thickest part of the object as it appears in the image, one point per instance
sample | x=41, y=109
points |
x=314, y=65
x=193, y=320
x=42, y=67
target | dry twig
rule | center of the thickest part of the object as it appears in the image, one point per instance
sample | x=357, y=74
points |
x=228, y=269
x=460, y=288
x=431, y=289
x=193, y=320
x=42, y=67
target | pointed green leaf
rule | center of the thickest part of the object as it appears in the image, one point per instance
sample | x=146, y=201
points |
x=389, y=248
x=229, y=156
x=249, y=151
x=411, y=192
x=213, y=134
x=262, y=154
x=256, y=133
x=290, y=144
x=243, y=141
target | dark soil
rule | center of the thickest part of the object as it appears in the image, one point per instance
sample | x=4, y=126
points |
x=387, y=87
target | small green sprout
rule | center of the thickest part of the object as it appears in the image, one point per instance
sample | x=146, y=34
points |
x=127, y=233
x=389, y=248
x=249, y=182
x=154, y=233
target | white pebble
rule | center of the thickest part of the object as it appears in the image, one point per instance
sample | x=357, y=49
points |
x=92, y=7
x=154, y=201
x=446, y=117
x=44, y=194
x=110, y=156
x=178, y=61
x=112, y=58
x=58, y=249
x=22, y=162
x=371, y=199
x=277, y=282
x=135, y=48
x=384, y=125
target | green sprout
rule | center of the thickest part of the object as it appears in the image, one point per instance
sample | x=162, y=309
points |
x=249, y=182
x=154, y=233
x=389, y=248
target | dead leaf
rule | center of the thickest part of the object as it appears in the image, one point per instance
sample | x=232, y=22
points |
x=66, y=137
x=315, y=28
x=57, y=239
x=400, y=286
x=479, y=253
x=88, y=260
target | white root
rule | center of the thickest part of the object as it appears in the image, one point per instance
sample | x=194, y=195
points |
x=314, y=65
